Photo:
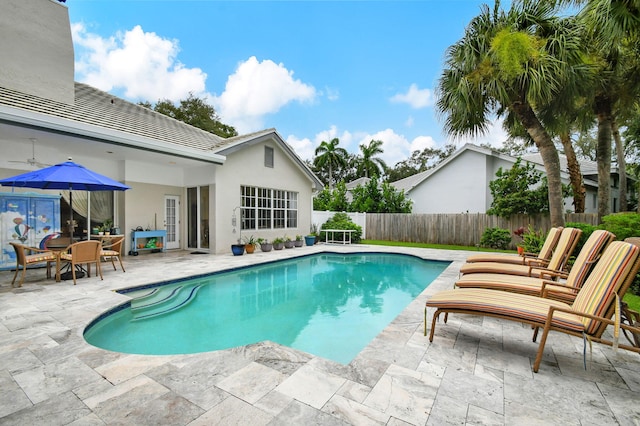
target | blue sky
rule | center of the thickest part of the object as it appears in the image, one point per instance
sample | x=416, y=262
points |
x=356, y=70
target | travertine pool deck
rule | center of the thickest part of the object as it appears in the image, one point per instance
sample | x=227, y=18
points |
x=477, y=371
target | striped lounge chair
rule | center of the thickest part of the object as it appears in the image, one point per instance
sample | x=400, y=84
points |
x=565, y=291
x=566, y=244
x=588, y=315
x=540, y=259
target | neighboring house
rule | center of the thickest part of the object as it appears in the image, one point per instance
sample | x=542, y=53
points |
x=460, y=184
x=361, y=181
x=185, y=180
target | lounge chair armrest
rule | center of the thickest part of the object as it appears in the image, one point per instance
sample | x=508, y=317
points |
x=604, y=320
x=535, y=262
x=546, y=272
x=548, y=287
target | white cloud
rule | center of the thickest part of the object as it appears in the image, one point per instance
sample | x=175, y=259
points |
x=256, y=89
x=142, y=64
x=420, y=143
x=305, y=148
x=417, y=98
x=409, y=122
x=494, y=136
x=396, y=147
x=332, y=94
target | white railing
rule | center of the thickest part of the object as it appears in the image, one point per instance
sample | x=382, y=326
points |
x=319, y=217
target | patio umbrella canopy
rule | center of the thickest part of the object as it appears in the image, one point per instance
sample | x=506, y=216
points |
x=66, y=176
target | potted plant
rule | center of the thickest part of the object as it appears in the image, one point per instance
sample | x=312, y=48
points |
x=298, y=242
x=287, y=242
x=250, y=244
x=237, y=249
x=310, y=240
x=265, y=245
x=278, y=243
x=106, y=226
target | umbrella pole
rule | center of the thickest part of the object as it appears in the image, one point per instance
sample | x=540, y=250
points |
x=71, y=214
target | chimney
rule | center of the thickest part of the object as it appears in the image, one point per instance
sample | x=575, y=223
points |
x=36, y=49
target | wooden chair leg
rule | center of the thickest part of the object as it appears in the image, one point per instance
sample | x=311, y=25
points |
x=15, y=275
x=121, y=265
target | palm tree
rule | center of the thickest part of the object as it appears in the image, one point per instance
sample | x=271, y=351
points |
x=369, y=164
x=612, y=26
x=506, y=63
x=329, y=154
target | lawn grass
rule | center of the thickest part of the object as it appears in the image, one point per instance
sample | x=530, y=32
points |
x=432, y=246
x=632, y=300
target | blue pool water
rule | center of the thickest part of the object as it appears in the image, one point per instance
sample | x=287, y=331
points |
x=330, y=305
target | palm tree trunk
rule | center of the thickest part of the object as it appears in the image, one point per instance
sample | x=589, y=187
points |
x=603, y=154
x=330, y=178
x=549, y=155
x=575, y=174
x=622, y=166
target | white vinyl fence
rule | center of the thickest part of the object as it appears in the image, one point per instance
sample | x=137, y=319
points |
x=319, y=217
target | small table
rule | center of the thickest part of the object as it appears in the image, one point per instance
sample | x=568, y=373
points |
x=58, y=249
x=331, y=238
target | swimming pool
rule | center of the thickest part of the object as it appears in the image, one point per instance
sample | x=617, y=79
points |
x=328, y=304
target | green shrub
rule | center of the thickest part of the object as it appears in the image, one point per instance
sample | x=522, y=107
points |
x=497, y=238
x=342, y=221
x=624, y=225
x=532, y=240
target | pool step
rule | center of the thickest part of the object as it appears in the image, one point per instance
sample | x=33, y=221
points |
x=163, y=302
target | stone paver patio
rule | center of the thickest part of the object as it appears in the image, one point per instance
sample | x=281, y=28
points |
x=477, y=370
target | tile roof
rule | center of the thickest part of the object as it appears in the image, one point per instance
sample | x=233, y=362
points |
x=98, y=108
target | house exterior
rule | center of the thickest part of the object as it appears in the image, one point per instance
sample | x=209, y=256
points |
x=205, y=191
x=460, y=184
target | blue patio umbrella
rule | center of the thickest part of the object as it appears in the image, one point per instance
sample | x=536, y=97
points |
x=67, y=176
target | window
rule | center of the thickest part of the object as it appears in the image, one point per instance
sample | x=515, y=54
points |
x=248, y=203
x=268, y=156
x=264, y=208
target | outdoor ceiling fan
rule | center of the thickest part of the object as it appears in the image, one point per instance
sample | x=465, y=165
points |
x=32, y=161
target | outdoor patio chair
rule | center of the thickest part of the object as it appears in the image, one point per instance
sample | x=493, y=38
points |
x=565, y=291
x=587, y=317
x=83, y=253
x=555, y=268
x=24, y=259
x=539, y=259
x=113, y=250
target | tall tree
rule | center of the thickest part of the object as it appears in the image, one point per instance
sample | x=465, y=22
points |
x=196, y=112
x=610, y=24
x=370, y=164
x=328, y=155
x=508, y=62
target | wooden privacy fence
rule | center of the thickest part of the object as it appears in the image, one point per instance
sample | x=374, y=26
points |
x=456, y=229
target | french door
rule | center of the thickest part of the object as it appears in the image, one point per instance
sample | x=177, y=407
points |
x=172, y=221
x=198, y=217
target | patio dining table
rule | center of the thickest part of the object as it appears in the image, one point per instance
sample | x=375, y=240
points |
x=58, y=248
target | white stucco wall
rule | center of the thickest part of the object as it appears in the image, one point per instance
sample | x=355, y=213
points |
x=462, y=186
x=36, y=49
x=246, y=167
